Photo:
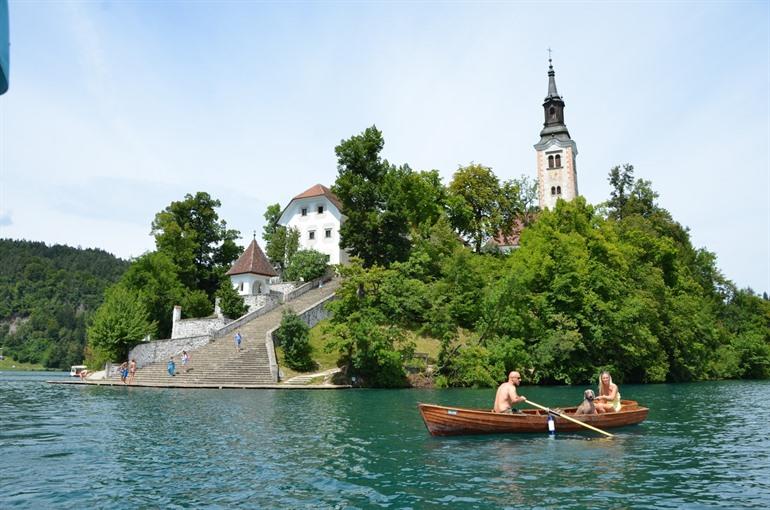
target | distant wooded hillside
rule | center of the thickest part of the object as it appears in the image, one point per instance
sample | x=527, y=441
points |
x=47, y=294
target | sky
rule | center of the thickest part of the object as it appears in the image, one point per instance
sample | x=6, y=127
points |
x=116, y=109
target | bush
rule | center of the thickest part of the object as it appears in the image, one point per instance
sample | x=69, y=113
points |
x=306, y=265
x=294, y=338
x=230, y=302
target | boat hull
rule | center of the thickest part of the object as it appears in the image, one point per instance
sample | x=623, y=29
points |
x=453, y=421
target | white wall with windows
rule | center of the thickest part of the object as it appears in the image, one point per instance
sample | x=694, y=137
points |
x=318, y=221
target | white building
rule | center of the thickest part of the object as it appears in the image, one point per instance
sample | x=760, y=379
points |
x=251, y=273
x=317, y=215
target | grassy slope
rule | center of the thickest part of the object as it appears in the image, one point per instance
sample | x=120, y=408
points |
x=325, y=360
x=10, y=364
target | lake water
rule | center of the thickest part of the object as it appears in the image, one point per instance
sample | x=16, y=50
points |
x=703, y=445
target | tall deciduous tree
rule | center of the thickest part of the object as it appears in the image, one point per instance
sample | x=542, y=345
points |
x=473, y=203
x=198, y=242
x=376, y=229
x=281, y=242
x=120, y=323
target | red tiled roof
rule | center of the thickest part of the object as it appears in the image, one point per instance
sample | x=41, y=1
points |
x=252, y=260
x=511, y=238
x=317, y=191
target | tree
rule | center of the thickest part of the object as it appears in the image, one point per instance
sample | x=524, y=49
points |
x=281, y=242
x=120, y=323
x=197, y=241
x=517, y=204
x=294, y=339
x=307, y=265
x=376, y=229
x=230, y=302
x=473, y=203
x=622, y=181
x=154, y=278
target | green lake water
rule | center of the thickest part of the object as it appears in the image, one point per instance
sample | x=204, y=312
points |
x=703, y=445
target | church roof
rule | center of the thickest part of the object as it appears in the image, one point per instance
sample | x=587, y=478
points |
x=254, y=261
x=317, y=191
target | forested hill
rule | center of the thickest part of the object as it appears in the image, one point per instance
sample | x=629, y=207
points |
x=47, y=294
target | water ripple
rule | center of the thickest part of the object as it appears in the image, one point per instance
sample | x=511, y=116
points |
x=98, y=447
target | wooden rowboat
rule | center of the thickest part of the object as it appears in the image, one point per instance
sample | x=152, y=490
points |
x=452, y=421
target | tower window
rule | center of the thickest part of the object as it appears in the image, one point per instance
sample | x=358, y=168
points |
x=558, y=190
x=311, y=234
x=557, y=159
x=550, y=162
x=553, y=190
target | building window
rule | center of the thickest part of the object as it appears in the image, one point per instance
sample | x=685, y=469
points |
x=553, y=190
x=304, y=211
x=328, y=233
x=558, y=190
x=240, y=287
x=550, y=161
x=320, y=209
x=558, y=161
x=311, y=234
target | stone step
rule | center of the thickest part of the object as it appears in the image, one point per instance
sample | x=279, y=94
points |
x=218, y=362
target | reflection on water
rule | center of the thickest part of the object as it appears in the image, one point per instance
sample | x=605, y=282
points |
x=99, y=447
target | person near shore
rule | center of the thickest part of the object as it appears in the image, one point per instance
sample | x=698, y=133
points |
x=83, y=374
x=506, y=396
x=237, y=337
x=608, y=399
x=185, y=361
x=171, y=367
x=123, y=371
x=131, y=371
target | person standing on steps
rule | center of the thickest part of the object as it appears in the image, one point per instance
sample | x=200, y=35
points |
x=171, y=367
x=185, y=361
x=131, y=371
x=238, y=339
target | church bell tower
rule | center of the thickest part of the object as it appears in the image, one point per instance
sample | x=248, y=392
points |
x=556, y=151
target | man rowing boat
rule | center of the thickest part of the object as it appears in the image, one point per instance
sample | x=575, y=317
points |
x=506, y=395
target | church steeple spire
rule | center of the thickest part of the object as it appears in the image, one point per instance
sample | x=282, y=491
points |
x=556, y=151
x=552, y=93
x=553, y=108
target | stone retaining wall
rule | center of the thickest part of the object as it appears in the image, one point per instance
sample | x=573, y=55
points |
x=311, y=316
x=186, y=328
x=158, y=350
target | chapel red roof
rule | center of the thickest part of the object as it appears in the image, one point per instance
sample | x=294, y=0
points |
x=317, y=191
x=252, y=260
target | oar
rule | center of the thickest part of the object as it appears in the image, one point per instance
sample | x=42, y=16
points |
x=557, y=413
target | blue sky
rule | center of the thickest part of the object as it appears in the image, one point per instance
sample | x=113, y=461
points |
x=115, y=109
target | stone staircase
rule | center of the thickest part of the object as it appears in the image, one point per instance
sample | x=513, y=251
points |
x=219, y=364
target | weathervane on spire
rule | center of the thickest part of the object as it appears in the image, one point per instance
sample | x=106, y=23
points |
x=255, y=235
x=549, y=55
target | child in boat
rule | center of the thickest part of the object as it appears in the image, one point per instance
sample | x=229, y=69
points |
x=608, y=398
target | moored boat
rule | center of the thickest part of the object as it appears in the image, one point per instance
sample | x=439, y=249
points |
x=452, y=421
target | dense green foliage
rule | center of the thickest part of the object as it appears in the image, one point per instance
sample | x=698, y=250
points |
x=194, y=250
x=281, y=242
x=376, y=228
x=119, y=324
x=306, y=265
x=199, y=244
x=230, y=302
x=293, y=337
x=47, y=295
x=617, y=287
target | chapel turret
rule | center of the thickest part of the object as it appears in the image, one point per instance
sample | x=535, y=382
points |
x=556, y=151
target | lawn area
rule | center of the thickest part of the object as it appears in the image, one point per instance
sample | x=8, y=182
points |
x=10, y=364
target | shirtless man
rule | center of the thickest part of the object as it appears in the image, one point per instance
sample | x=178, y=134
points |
x=506, y=395
x=131, y=371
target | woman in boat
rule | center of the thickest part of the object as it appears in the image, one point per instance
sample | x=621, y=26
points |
x=608, y=398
